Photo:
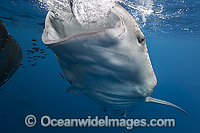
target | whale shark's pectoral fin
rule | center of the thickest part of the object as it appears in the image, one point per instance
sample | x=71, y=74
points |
x=75, y=92
x=72, y=89
x=154, y=100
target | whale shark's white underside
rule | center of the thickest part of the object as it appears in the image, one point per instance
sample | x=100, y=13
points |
x=109, y=64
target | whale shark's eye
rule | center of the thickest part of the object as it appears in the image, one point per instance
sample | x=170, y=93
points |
x=141, y=39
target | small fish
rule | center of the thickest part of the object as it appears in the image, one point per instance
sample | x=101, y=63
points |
x=48, y=47
x=41, y=52
x=41, y=24
x=34, y=64
x=42, y=57
x=62, y=76
x=124, y=113
x=34, y=40
x=70, y=82
x=8, y=18
x=104, y=109
x=25, y=16
x=34, y=44
x=117, y=111
x=42, y=49
x=38, y=56
x=29, y=51
x=4, y=115
x=29, y=61
x=35, y=49
x=23, y=67
x=30, y=57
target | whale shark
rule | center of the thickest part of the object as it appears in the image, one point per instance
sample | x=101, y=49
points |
x=109, y=64
x=10, y=55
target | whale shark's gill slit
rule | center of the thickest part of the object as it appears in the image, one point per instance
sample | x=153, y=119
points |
x=71, y=5
x=154, y=100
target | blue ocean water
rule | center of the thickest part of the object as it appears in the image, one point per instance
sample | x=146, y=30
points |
x=172, y=36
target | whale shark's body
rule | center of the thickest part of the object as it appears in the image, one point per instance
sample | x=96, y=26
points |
x=109, y=64
x=10, y=55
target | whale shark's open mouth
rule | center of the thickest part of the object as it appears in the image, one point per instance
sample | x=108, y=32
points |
x=67, y=26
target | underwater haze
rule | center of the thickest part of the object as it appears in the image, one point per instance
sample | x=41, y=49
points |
x=172, y=32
